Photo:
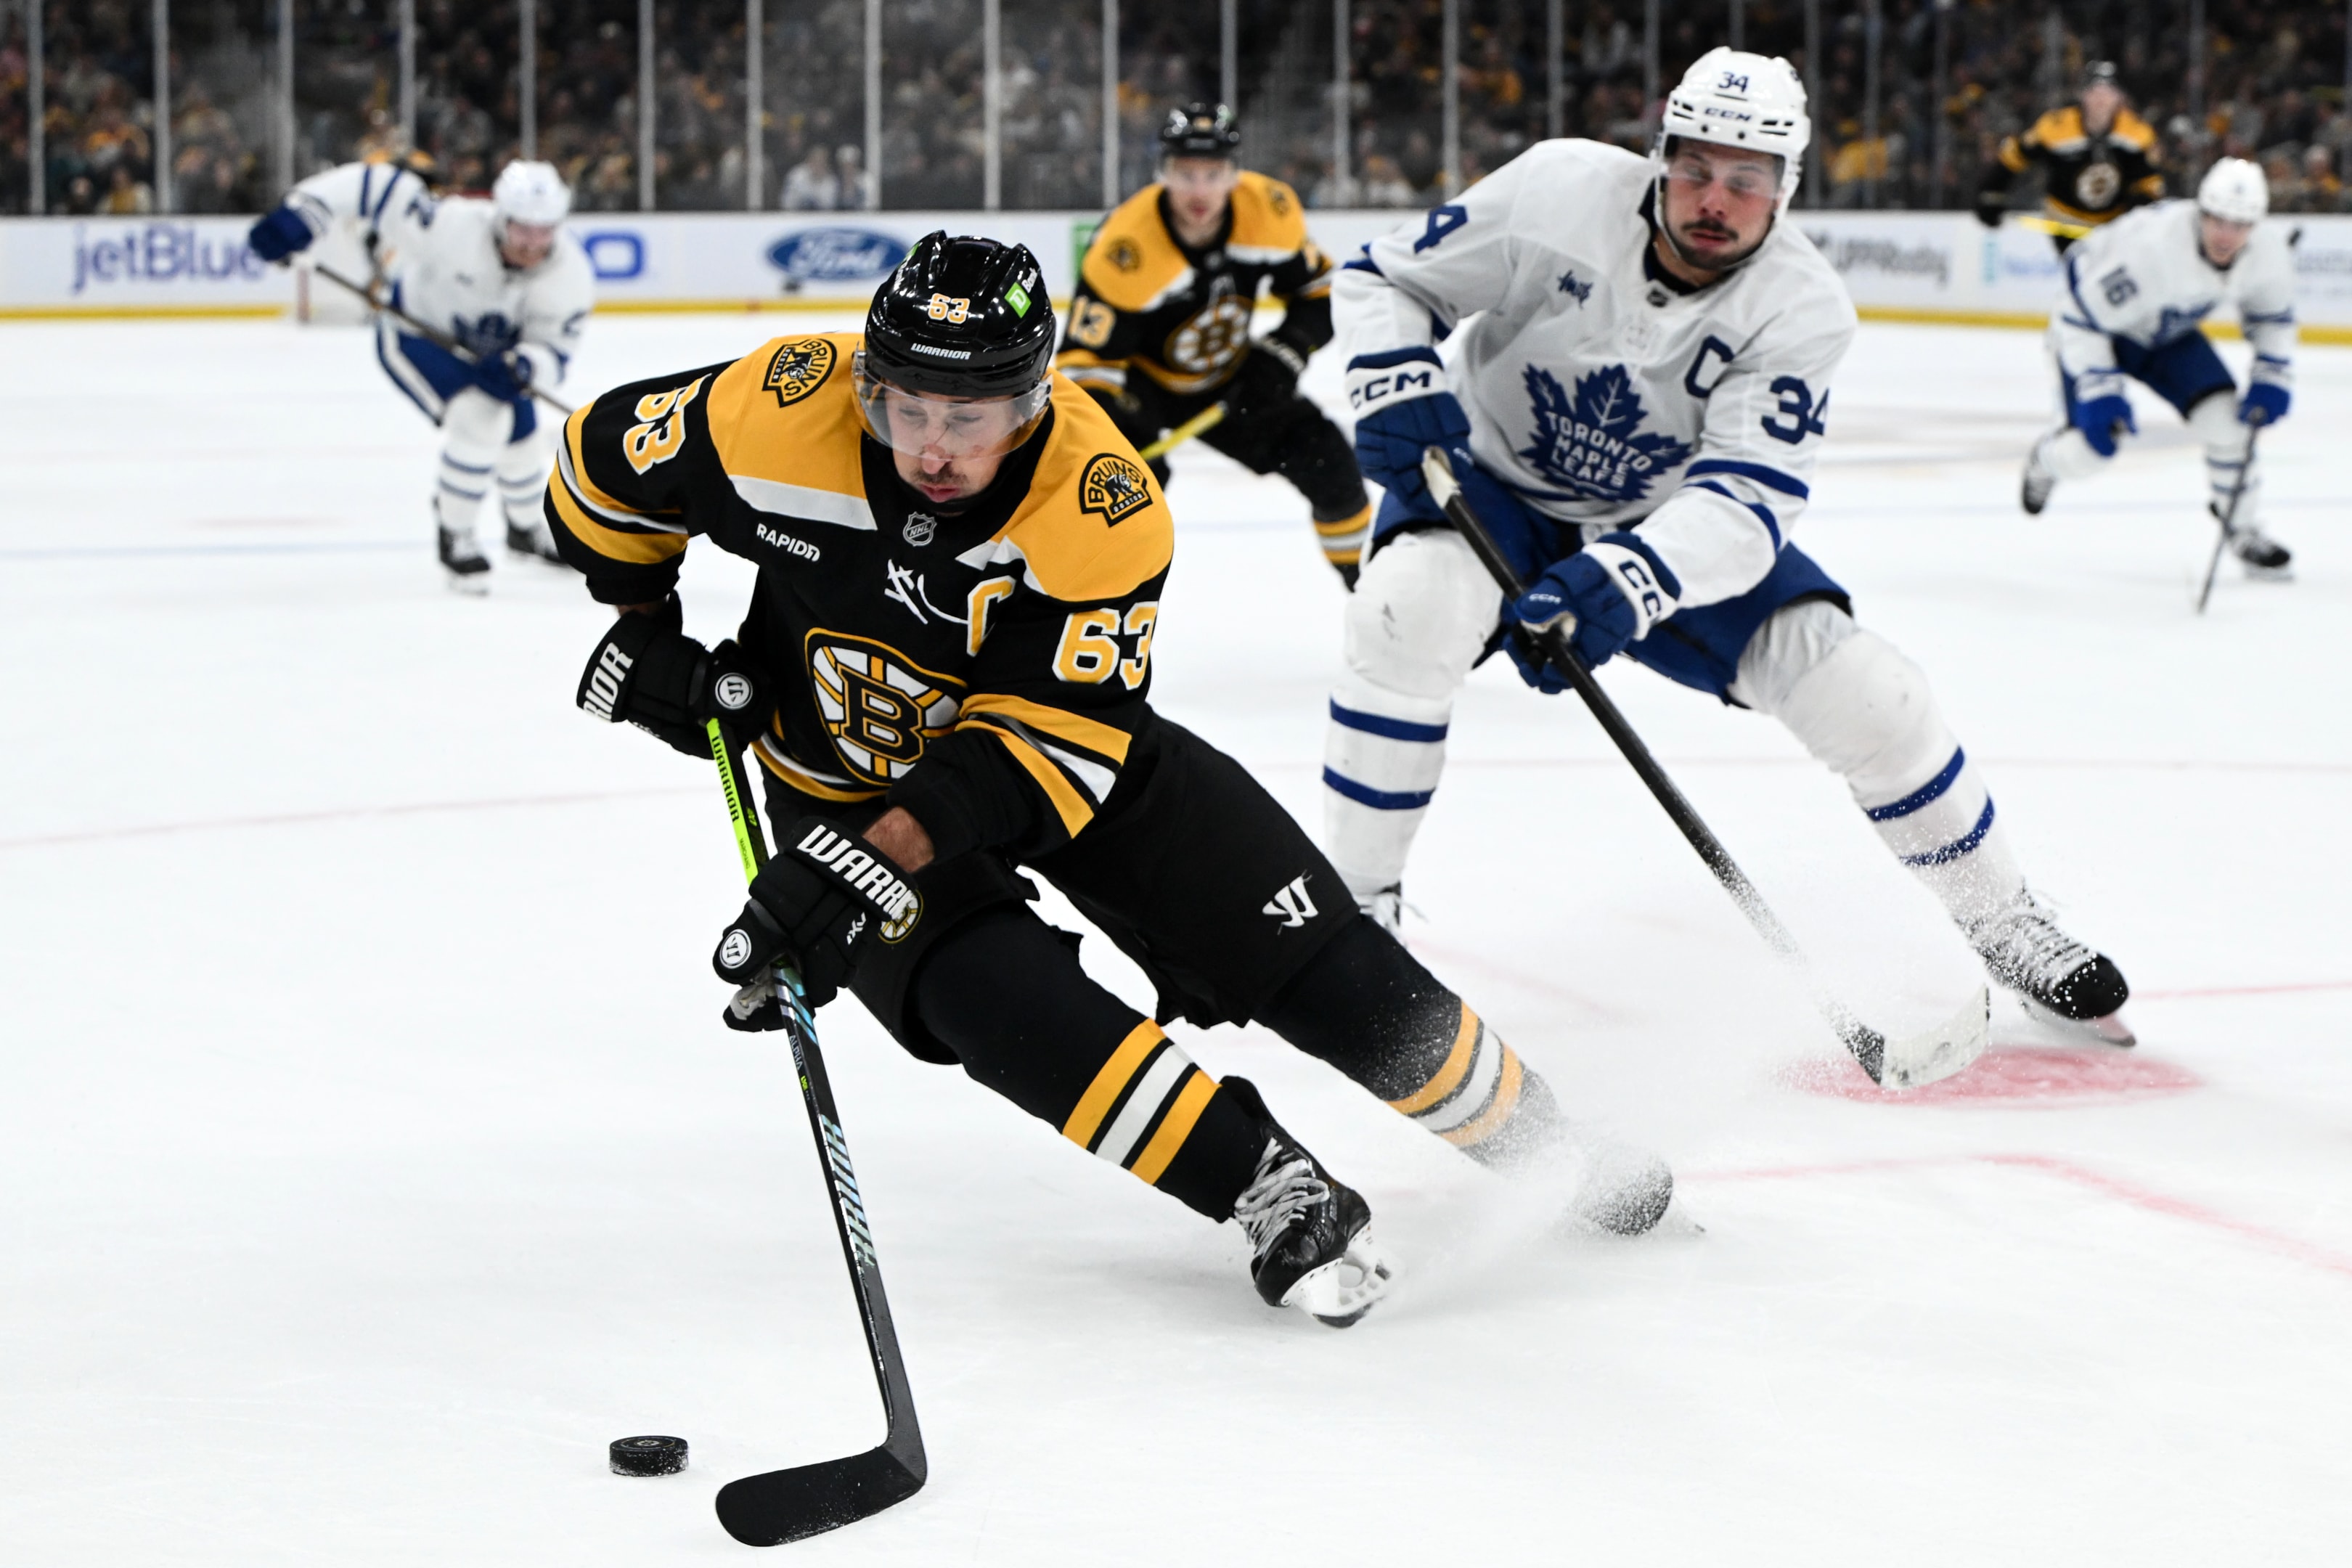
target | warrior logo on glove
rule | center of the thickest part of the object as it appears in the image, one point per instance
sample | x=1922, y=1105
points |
x=865, y=874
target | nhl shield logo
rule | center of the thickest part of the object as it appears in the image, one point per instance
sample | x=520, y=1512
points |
x=798, y=368
x=921, y=527
x=1113, y=488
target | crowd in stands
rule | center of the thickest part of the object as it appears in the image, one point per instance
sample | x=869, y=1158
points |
x=1914, y=131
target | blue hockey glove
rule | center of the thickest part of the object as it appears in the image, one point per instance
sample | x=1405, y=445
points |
x=506, y=376
x=1527, y=538
x=2267, y=399
x=1402, y=406
x=2098, y=418
x=1613, y=590
x=275, y=236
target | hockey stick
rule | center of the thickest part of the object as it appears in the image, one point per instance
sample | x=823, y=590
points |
x=433, y=335
x=1904, y=1063
x=771, y=1509
x=1207, y=419
x=2229, y=519
x=2054, y=225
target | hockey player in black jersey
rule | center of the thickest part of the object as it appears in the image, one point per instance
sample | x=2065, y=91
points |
x=1160, y=323
x=944, y=672
x=2098, y=160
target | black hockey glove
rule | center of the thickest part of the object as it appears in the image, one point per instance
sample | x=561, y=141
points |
x=649, y=673
x=1990, y=206
x=818, y=905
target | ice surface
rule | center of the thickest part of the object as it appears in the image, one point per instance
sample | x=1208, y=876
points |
x=372, y=1154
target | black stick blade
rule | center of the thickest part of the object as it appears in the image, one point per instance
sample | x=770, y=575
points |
x=809, y=1500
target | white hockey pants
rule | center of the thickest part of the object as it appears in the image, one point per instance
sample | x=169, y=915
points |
x=2068, y=456
x=1424, y=607
x=478, y=452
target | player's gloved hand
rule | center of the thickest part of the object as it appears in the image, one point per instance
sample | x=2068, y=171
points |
x=1990, y=206
x=1527, y=538
x=1402, y=406
x=1613, y=592
x=2264, y=404
x=1277, y=363
x=818, y=906
x=275, y=236
x=504, y=377
x=2097, y=418
x=649, y=673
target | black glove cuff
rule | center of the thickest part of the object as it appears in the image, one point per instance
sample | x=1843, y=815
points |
x=848, y=866
x=646, y=672
x=1288, y=354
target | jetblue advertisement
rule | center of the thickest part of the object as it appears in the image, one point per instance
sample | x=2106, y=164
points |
x=1942, y=264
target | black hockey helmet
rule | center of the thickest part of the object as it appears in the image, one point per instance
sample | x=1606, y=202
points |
x=962, y=320
x=2100, y=73
x=1200, y=131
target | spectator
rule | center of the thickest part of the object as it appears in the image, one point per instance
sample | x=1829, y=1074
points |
x=851, y=164
x=126, y=196
x=811, y=185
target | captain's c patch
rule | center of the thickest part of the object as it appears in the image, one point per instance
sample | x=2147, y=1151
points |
x=1113, y=488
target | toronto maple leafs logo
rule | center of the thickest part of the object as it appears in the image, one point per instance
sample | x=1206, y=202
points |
x=2177, y=323
x=1594, y=446
x=1575, y=288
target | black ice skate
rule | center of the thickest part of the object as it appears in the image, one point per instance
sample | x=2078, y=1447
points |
x=2262, y=555
x=2033, y=490
x=535, y=542
x=1311, y=1247
x=2060, y=979
x=468, y=568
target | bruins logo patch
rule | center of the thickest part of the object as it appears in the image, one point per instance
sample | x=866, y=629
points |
x=1125, y=256
x=1278, y=199
x=2098, y=184
x=799, y=368
x=1113, y=488
x=880, y=706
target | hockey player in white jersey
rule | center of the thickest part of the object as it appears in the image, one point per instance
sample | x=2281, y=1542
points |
x=503, y=279
x=1635, y=412
x=2135, y=296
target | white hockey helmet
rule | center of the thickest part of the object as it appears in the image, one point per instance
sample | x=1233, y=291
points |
x=1733, y=99
x=531, y=192
x=2235, y=190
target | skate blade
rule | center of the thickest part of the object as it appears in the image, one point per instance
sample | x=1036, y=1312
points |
x=1924, y=1059
x=474, y=585
x=1340, y=1292
x=2110, y=1030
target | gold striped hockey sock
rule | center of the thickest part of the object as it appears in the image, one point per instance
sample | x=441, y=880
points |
x=1482, y=1099
x=1151, y=1110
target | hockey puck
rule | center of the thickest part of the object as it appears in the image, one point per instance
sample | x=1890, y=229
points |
x=648, y=1456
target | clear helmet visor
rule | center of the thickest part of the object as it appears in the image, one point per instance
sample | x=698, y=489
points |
x=926, y=423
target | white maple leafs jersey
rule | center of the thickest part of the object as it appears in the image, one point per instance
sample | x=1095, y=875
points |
x=442, y=257
x=2143, y=278
x=1600, y=393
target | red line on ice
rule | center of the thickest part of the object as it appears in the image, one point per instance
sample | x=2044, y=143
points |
x=297, y=818
x=2080, y=1175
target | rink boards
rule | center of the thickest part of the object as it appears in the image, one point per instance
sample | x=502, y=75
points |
x=1921, y=266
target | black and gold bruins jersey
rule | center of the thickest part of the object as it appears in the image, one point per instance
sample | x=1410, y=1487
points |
x=987, y=669
x=1183, y=317
x=2090, y=180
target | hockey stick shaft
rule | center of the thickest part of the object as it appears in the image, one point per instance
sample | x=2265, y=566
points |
x=2230, y=514
x=1207, y=419
x=790, y=1505
x=1868, y=1046
x=431, y=334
